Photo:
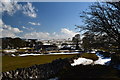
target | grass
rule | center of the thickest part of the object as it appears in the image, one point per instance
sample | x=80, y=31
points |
x=12, y=63
x=90, y=56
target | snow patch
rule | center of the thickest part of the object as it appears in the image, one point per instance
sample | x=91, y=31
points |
x=65, y=53
x=12, y=50
x=29, y=54
x=102, y=60
x=12, y=55
x=83, y=61
x=33, y=54
x=93, y=52
x=25, y=48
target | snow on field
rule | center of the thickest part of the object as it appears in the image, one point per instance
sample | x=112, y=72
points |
x=29, y=54
x=65, y=53
x=25, y=48
x=33, y=54
x=102, y=60
x=12, y=55
x=12, y=50
x=84, y=61
x=93, y=52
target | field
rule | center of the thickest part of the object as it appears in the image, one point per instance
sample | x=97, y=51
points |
x=12, y=63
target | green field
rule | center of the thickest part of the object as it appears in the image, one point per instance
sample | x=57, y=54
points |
x=12, y=63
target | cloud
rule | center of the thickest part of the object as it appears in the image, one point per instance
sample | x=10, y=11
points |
x=8, y=31
x=23, y=27
x=1, y=22
x=64, y=34
x=68, y=32
x=33, y=23
x=37, y=35
x=27, y=28
x=12, y=6
x=29, y=10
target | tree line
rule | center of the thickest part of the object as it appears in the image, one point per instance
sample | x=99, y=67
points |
x=14, y=43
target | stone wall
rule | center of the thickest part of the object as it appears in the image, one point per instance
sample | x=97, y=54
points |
x=115, y=59
x=43, y=71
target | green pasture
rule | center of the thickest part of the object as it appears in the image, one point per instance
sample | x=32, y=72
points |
x=12, y=63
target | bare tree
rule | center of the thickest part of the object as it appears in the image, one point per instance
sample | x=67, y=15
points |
x=103, y=18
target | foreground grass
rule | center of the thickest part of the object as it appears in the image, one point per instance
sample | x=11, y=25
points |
x=12, y=63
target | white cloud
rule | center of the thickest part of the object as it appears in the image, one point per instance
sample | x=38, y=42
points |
x=37, y=35
x=68, y=32
x=1, y=22
x=11, y=7
x=8, y=31
x=5, y=0
x=23, y=27
x=9, y=28
x=27, y=28
x=29, y=10
x=33, y=23
x=65, y=34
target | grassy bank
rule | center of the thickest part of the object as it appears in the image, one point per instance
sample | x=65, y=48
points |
x=12, y=63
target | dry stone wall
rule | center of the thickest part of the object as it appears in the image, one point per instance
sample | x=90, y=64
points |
x=39, y=72
x=115, y=59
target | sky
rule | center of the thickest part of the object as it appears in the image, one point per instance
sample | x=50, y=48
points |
x=41, y=20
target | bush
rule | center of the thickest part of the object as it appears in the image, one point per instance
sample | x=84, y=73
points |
x=92, y=56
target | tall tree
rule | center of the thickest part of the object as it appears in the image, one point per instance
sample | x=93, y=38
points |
x=17, y=42
x=92, y=41
x=103, y=18
x=87, y=41
x=76, y=40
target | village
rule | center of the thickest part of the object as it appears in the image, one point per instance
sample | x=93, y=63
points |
x=40, y=46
